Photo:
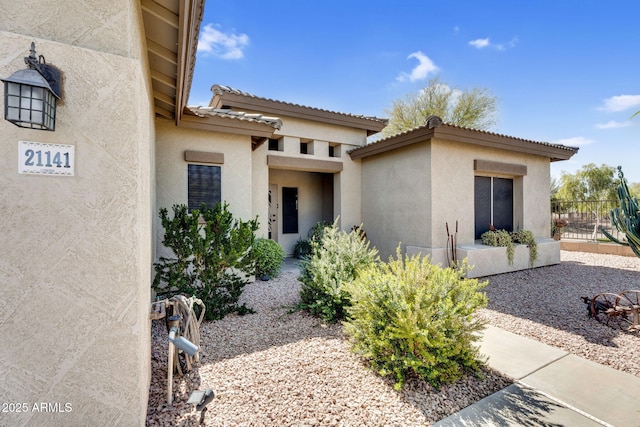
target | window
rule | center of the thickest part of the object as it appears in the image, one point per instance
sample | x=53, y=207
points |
x=274, y=144
x=204, y=186
x=334, y=151
x=304, y=148
x=493, y=204
x=289, y=210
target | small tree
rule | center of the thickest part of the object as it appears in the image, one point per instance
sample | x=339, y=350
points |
x=212, y=257
x=472, y=108
x=591, y=183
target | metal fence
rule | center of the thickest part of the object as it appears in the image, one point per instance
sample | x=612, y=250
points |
x=584, y=219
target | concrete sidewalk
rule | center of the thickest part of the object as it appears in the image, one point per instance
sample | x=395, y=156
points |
x=551, y=388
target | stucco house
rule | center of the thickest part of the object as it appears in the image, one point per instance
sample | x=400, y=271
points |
x=416, y=183
x=285, y=163
x=77, y=248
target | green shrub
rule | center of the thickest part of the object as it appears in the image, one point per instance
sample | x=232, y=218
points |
x=303, y=247
x=499, y=238
x=526, y=237
x=411, y=318
x=268, y=256
x=504, y=238
x=335, y=259
x=212, y=257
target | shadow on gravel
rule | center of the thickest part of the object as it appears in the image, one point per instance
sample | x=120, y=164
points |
x=551, y=296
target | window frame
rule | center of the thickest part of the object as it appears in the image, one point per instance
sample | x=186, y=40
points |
x=195, y=201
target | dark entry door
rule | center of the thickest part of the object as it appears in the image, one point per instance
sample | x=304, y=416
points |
x=289, y=210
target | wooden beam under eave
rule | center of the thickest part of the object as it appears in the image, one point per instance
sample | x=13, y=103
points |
x=162, y=51
x=160, y=12
x=163, y=113
x=163, y=79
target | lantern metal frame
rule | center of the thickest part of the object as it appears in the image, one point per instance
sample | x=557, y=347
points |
x=30, y=95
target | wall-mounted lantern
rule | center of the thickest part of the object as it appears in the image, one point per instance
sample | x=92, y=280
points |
x=30, y=95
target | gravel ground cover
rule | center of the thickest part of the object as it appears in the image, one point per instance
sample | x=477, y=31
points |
x=276, y=368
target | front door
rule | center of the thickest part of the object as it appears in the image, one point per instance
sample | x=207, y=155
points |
x=273, y=212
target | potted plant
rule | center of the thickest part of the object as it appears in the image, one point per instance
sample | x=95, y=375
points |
x=558, y=227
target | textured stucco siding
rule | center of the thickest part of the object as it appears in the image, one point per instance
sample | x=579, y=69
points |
x=410, y=194
x=396, y=198
x=172, y=170
x=75, y=252
x=453, y=190
x=346, y=182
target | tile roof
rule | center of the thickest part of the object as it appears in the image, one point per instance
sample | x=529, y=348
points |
x=548, y=144
x=222, y=90
x=441, y=129
x=274, y=122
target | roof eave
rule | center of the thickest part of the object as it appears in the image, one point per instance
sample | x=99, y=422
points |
x=468, y=136
x=226, y=125
x=278, y=108
x=191, y=12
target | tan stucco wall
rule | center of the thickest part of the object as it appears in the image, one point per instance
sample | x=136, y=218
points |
x=299, y=128
x=346, y=183
x=395, y=198
x=411, y=193
x=172, y=170
x=75, y=252
x=453, y=190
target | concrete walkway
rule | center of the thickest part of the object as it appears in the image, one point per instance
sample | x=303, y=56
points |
x=552, y=388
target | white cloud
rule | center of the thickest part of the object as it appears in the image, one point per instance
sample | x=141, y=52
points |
x=480, y=43
x=621, y=103
x=512, y=43
x=222, y=45
x=576, y=141
x=486, y=43
x=421, y=71
x=612, y=124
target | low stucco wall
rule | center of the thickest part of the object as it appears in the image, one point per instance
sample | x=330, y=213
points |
x=596, y=247
x=490, y=260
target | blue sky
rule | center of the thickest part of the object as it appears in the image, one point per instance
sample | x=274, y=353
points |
x=564, y=72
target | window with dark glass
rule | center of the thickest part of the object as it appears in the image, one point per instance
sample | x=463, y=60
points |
x=493, y=204
x=274, y=144
x=289, y=210
x=204, y=185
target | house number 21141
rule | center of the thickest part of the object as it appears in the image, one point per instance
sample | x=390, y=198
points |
x=46, y=159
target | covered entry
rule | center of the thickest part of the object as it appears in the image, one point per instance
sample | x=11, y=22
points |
x=298, y=200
